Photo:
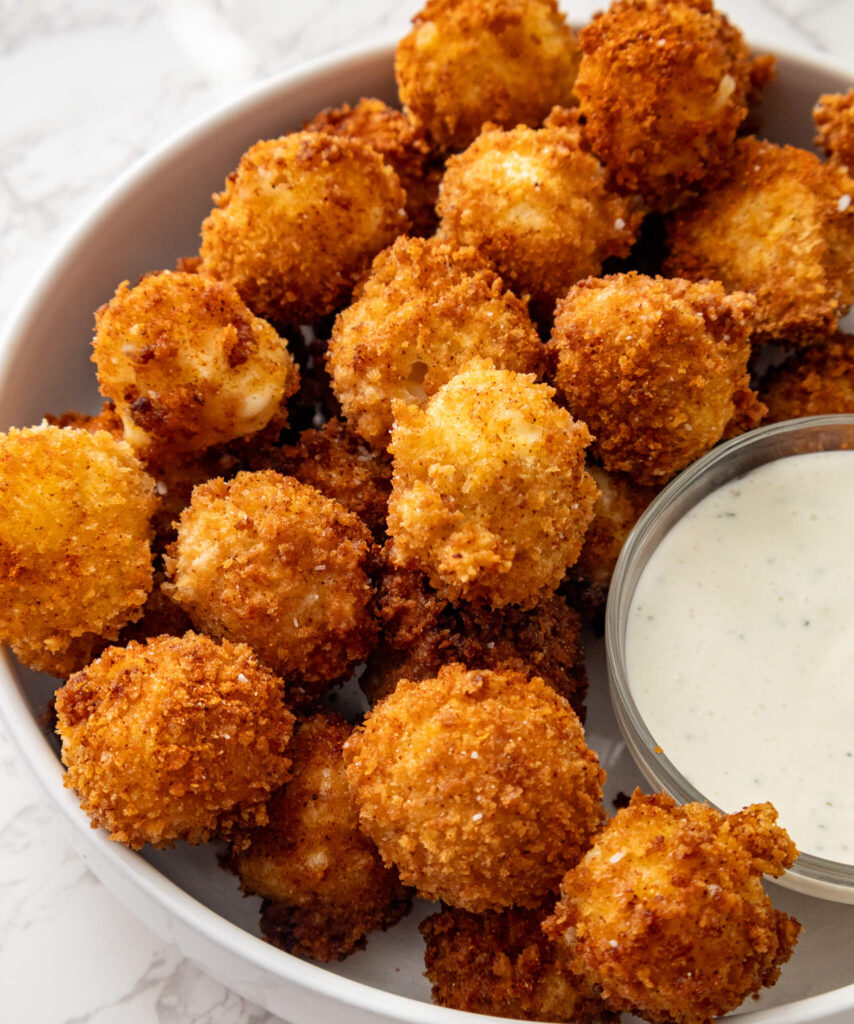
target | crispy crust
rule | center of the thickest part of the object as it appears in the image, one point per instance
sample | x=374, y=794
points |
x=392, y=134
x=780, y=227
x=421, y=633
x=815, y=381
x=663, y=88
x=425, y=310
x=75, y=543
x=834, y=121
x=478, y=786
x=537, y=206
x=654, y=366
x=620, y=504
x=501, y=963
x=667, y=912
x=178, y=738
x=324, y=885
x=470, y=61
x=299, y=220
x=489, y=495
x=271, y=562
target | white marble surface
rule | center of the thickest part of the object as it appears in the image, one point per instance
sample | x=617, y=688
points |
x=88, y=87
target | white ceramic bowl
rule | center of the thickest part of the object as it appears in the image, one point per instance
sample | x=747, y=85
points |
x=148, y=219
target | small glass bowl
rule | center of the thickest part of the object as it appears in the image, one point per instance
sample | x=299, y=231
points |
x=812, y=875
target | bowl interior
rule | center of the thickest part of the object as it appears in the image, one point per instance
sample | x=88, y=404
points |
x=149, y=219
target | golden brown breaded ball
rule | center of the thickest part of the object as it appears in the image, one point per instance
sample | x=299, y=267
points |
x=392, y=134
x=421, y=633
x=478, y=786
x=75, y=543
x=620, y=504
x=815, y=381
x=537, y=206
x=490, y=497
x=500, y=963
x=323, y=883
x=177, y=738
x=424, y=311
x=780, y=227
x=663, y=87
x=271, y=562
x=470, y=61
x=187, y=365
x=667, y=914
x=652, y=366
x=834, y=119
x=298, y=222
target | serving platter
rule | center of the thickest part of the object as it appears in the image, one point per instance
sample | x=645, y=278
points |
x=149, y=218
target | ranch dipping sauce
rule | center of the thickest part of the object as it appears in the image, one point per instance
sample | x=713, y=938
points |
x=740, y=647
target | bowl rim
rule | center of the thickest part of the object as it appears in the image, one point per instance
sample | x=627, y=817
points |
x=144, y=879
x=818, y=876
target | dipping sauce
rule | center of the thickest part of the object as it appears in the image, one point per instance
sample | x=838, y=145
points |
x=740, y=647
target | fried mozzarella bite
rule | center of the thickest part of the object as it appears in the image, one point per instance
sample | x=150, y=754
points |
x=663, y=86
x=780, y=227
x=298, y=222
x=271, y=562
x=834, y=120
x=421, y=633
x=478, y=786
x=425, y=310
x=620, y=504
x=655, y=367
x=490, y=497
x=667, y=914
x=815, y=381
x=75, y=543
x=500, y=963
x=466, y=62
x=537, y=206
x=392, y=134
x=322, y=881
x=187, y=365
x=177, y=738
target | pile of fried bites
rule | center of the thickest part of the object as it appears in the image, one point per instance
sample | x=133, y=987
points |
x=400, y=412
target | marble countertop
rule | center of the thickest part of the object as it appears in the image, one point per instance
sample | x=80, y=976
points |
x=90, y=86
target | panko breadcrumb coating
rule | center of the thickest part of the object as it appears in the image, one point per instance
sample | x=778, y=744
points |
x=500, y=963
x=537, y=206
x=271, y=562
x=106, y=419
x=298, y=222
x=663, y=87
x=815, y=381
x=75, y=543
x=653, y=366
x=478, y=786
x=421, y=633
x=392, y=134
x=323, y=883
x=620, y=504
x=667, y=912
x=781, y=227
x=466, y=62
x=834, y=120
x=339, y=464
x=187, y=365
x=425, y=310
x=178, y=738
x=490, y=497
